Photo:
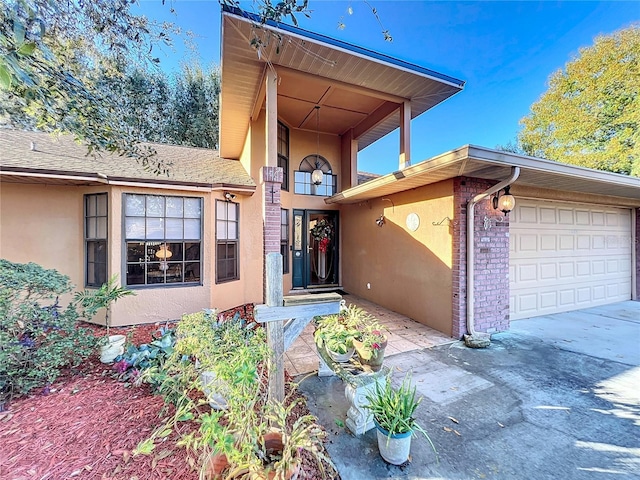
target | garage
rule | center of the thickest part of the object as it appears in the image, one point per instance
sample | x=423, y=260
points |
x=565, y=256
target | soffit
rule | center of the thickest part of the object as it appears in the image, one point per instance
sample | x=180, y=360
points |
x=479, y=162
x=348, y=82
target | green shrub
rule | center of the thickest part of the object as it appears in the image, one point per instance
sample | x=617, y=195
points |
x=38, y=337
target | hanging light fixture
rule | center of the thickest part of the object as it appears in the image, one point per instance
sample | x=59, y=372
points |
x=163, y=254
x=505, y=202
x=317, y=175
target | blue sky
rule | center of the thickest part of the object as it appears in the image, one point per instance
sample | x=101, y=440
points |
x=505, y=51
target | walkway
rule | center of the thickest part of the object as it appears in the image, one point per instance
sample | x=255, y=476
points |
x=404, y=335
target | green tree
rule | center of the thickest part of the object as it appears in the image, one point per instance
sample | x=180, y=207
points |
x=590, y=115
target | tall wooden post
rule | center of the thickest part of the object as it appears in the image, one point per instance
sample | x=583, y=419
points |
x=275, y=329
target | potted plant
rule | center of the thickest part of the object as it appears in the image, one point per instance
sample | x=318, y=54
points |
x=393, y=414
x=92, y=301
x=336, y=333
x=370, y=343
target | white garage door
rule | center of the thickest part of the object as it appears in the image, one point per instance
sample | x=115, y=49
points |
x=566, y=256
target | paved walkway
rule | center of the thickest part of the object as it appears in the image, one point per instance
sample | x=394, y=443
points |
x=547, y=400
x=404, y=335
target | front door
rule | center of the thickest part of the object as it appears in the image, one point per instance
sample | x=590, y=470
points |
x=315, y=248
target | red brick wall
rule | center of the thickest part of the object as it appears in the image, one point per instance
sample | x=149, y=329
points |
x=491, y=278
x=271, y=183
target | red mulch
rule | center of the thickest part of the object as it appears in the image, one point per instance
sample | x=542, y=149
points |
x=87, y=425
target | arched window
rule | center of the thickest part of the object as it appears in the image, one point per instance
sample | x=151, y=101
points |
x=304, y=178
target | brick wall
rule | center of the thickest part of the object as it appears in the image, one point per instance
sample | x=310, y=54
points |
x=491, y=264
x=271, y=178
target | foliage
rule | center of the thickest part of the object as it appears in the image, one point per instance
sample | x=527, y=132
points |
x=92, y=301
x=590, y=115
x=371, y=337
x=394, y=409
x=136, y=359
x=335, y=332
x=38, y=337
x=50, y=56
x=238, y=355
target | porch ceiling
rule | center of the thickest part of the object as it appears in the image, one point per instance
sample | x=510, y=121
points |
x=479, y=162
x=352, y=85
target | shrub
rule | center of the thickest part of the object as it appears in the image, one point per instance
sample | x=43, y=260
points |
x=38, y=337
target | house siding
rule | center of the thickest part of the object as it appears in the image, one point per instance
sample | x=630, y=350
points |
x=491, y=263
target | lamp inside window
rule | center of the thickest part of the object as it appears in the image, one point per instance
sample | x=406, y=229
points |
x=505, y=202
x=163, y=254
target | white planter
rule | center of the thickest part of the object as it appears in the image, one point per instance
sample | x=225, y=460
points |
x=213, y=388
x=341, y=357
x=394, y=449
x=113, y=348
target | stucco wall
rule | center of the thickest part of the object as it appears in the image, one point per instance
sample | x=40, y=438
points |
x=43, y=224
x=407, y=272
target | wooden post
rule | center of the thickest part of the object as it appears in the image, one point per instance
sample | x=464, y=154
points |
x=275, y=329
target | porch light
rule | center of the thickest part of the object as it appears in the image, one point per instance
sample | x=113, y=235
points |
x=317, y=175
x=505, y=202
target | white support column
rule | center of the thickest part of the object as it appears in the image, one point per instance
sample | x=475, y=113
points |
x=271, y=121
x=405, y=135
x=275, y=330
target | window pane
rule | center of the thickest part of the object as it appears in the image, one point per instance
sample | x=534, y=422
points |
x=174, y=273
x=135, y=274
x=192, y=251
x=233, y=231
x=155, y=228
x=192, y=207
x=192, y=229
x=232, y=211
x=91, y=205
x=102, y=205
x=134, y=227
x=221, y=210
x=155, y=206
x=174, y=229
x=102, y=227
x=134, y=205
x=154, y=274
x=176, y=252
x=192, y=272
x=175, y=207
x=91, y=227
x=221, y=230
x=135, y=253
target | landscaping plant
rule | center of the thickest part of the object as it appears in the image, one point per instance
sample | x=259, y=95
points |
x=38, y=336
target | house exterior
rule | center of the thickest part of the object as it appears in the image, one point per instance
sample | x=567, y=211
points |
x=294, y=114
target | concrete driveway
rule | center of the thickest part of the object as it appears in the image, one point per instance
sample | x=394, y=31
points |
x=556, y=397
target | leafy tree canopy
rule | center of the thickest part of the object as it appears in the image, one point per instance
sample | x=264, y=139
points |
x=590, y=115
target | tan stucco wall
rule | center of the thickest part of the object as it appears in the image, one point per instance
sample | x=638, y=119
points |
x=408, y=272
x=43, y=225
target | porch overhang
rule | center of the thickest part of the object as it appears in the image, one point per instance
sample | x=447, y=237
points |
x=480, y=162
x=360, y=90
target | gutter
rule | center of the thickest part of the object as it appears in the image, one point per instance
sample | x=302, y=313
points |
x=475, y=339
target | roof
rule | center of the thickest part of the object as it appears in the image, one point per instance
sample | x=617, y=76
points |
x=351, y=83
x=59, y=159
x=480, y=162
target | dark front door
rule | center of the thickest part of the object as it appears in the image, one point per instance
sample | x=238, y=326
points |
x=315, y=248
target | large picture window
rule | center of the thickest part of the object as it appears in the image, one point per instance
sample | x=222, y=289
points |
x=163, y=239
x=227, y=236
x=284, y=239
x=95, y=239
x=283, y=154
